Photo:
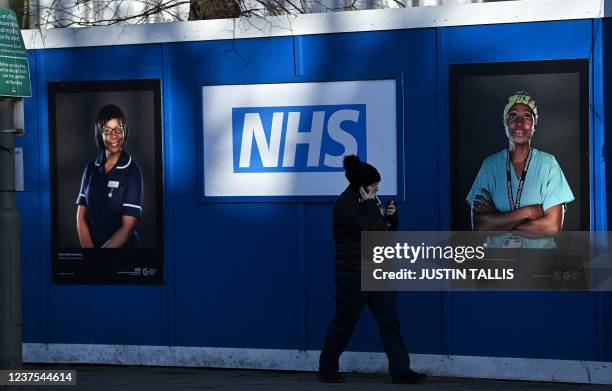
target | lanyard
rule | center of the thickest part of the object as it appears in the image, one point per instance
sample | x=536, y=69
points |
x=515, y=205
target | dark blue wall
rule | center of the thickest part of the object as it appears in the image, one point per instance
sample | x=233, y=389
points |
x=260, y=275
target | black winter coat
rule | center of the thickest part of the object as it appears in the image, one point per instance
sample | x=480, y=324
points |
x=350, y=218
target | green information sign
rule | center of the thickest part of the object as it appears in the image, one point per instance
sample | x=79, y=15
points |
x=14, y=69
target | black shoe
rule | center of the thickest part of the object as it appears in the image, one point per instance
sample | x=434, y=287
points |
x=331, y=377
x=411, y=377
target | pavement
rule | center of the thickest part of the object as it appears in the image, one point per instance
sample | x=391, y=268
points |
x=119, y=378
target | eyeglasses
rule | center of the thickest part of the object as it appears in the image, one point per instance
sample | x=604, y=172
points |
x=117, y=130
x=514, y=116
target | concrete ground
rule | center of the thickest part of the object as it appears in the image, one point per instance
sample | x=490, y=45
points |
x=107, y=377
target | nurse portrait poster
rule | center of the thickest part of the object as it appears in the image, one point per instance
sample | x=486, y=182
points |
x=520, y=131
x=106, y=182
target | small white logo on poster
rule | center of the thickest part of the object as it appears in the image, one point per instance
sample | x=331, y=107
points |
x=290, y=139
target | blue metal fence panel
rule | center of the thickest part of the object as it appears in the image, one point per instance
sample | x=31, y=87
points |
x=518, y=324
x=557, y=325
x=237, y=266
x=76, y=313
x=606, y=81
x=261, y=275
x=600, y=165
x=400, y=55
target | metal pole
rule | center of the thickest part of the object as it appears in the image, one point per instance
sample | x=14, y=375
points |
x=10, y=245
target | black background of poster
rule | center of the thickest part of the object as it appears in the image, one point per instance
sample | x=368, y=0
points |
x=73, y=107
x=478, y=94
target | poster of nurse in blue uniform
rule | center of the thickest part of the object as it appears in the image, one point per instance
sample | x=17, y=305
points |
x=519, y=169
x=110, y=199
x=520, y=188
x=107, y=186
x=519, y=150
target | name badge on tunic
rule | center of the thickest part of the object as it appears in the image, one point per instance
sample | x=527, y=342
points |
x=512, y=242
x=112, y=185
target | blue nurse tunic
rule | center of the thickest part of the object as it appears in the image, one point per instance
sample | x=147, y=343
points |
x=109, y=196
x=544, y=185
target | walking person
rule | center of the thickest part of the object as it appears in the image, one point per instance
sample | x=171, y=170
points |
x=359, y=209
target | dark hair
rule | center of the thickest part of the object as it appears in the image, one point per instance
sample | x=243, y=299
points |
x=105, y=114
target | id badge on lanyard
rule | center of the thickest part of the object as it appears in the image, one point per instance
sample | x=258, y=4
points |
x=514, y=241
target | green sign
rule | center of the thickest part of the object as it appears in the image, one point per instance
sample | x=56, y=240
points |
x=14, y=70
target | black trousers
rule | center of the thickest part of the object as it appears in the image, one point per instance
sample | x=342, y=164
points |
x=350, y=301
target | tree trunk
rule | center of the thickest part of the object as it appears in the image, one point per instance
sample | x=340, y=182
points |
x=214, y=9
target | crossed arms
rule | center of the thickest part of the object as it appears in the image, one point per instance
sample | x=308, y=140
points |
x=527, y=220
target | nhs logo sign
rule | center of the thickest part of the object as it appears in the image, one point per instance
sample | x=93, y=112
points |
x=297, y=138
x=289, y=139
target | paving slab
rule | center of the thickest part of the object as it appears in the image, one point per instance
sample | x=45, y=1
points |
x=120, y=378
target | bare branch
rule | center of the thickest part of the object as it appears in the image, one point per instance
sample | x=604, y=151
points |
x=64, y=13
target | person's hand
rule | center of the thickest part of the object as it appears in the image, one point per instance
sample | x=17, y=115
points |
x=535, y=211
x=366, y=195
x=483, y=203
x=391, y=209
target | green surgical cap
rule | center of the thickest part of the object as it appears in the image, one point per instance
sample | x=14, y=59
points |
x=524, y=98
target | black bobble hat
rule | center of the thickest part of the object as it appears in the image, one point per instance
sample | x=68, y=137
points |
x=360, y=173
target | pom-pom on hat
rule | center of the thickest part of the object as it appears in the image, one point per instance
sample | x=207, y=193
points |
x=360, y=173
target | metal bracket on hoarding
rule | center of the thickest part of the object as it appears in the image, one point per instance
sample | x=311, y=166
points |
x=16, y=132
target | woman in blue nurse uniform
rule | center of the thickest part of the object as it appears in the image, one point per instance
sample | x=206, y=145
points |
x=111, y=194
x=520, y=189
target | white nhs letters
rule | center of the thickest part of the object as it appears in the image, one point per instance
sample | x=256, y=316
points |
x=269, y=150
